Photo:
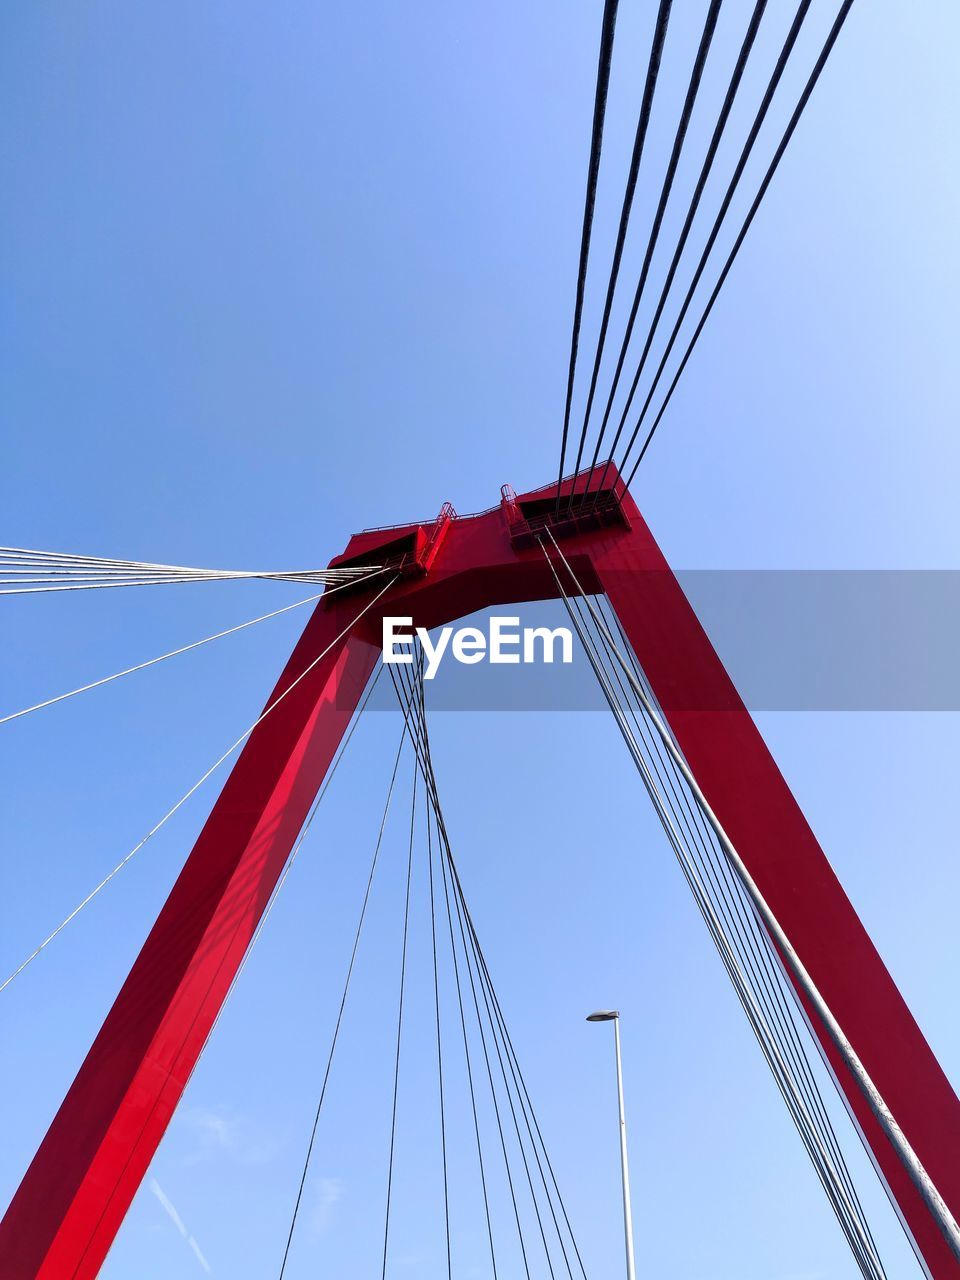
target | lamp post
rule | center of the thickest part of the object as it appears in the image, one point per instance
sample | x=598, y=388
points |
x=612, y=1015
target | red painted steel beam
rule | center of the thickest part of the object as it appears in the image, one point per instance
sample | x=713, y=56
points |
x=73, y=1197
x=63, y=1219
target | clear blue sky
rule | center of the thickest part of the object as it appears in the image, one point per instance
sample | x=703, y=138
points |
x=271, y=273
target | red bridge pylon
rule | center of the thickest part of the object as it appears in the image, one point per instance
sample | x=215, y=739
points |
x=72, y=1200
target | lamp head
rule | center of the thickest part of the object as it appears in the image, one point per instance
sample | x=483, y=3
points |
x=603, y=1015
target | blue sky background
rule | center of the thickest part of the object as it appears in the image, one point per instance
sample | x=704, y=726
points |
x=274, y=273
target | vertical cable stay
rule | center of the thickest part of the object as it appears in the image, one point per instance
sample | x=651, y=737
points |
x=493, y=1095
x=774, y=1058
x=396, y=1065
x=693, y=88
x=472, y=967
x=428, y=823
x=496, y=1023
x=747, y=149
x=490, y=1021
x=798, y=111
x=538, y=1142
x=467, y=1058
x=707, y=165
x=752, y=940
x=407, y=699
x=752, y=1000
x=473, y=964
x=643, y=123
x=413, y=701
x=732, y=89
x=466, y=958
x=751, y=945
x=593, y=171
x=886, y=1121
x=343, y=997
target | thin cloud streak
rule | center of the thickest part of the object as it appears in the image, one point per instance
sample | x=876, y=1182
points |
x=171, y=1211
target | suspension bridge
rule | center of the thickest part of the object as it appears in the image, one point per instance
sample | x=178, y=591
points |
x=823, y=1008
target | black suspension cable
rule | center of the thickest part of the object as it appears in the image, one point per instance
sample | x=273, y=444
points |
x=757, y=946
x=745, y=153
x=406, y=699
x=696, y=75
x=415, y=703
x=538, y=1144
x=866, y=1259
x=758, y=199
x=465, y=937
x=618, y=710
x=343, y=1001
x=473, y=962
x=521, y=1083
x=593, y=171
x=781, y=1076
x=749, y=939
x=473, y=1100
x=501, y=1051
x=812, y=1132
x=643, y=121
x=494, y=1100
x=497, y=1024
x=436, y=1001
x=728, y=101
x=728, y=897
x=396, y=1064
x=752, y=984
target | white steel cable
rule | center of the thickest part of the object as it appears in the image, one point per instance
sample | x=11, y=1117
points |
x=97, y=586
x=186, y=796
x=21, y=574
x=140, y=666
x=826, y=1157
x=23, y=554
x=747, y=932
x=348, y=977
x=18, y=565
x=27, y=572
x=169, y=579
x=20, y=570
x=822, y=1159
x=410, y=694
x=288, y=865
x=15, y=558
x=913, y=1166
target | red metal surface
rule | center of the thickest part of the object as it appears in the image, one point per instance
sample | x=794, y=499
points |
x=71, y=1202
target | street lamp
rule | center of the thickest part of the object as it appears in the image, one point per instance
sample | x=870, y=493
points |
x=612, y=1015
